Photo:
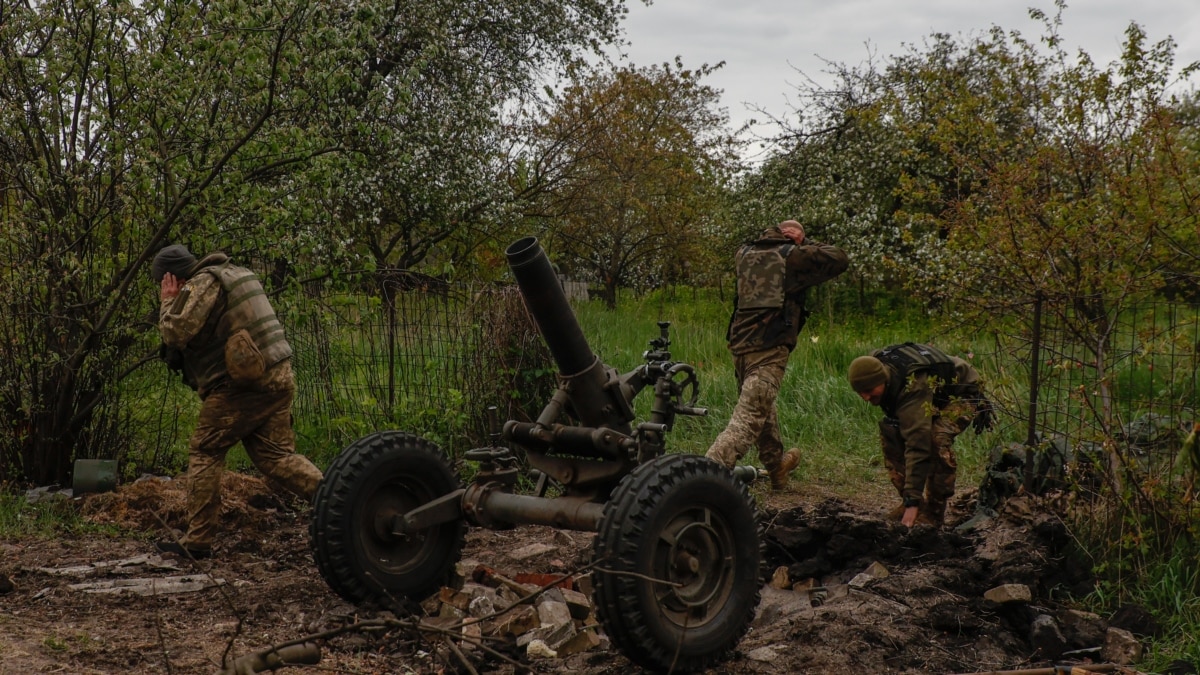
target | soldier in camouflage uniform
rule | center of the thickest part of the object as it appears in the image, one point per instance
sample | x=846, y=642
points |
x=928, y=398
x=774, y=274
x=219, y=328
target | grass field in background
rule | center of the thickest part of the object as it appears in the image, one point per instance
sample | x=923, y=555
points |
x=818, y=412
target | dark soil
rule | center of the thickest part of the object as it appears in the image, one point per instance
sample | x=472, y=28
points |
x=928, y=615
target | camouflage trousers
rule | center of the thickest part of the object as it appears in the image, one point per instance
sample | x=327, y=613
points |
x=939, y=487
x=261, y=419
x=754, y=421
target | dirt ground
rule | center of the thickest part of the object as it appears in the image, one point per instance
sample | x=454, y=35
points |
x=928, y=615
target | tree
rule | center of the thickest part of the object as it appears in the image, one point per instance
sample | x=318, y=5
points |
x=426, y=175
x=124, y=125
x=1018, y=173
x=633, y=161
x=993, y=169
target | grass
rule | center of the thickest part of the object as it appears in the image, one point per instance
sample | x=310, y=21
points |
x=55, y=517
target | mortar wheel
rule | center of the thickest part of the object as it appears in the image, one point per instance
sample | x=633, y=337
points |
x=374, y=479
x=678, y=563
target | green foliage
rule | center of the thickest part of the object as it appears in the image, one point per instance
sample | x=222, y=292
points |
x=640, y=157
x=992, y=169
x=1167, y=585
x=299, y=132
x=818, y=411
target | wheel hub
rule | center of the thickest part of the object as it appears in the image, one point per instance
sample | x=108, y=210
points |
x=698, y=556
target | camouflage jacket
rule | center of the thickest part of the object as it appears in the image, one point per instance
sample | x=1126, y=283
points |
x=756, y=326
x=218, y=300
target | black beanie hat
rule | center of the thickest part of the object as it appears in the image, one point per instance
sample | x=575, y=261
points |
x=175, y=259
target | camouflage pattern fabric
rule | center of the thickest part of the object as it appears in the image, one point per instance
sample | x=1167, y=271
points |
x=754, y=421
x=260, y=418
x=940, y=481
x=1004, y=477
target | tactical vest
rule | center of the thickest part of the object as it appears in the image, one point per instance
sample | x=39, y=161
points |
x=243, y=304
x=911, y=358
x=764, y=313
x=761, y=273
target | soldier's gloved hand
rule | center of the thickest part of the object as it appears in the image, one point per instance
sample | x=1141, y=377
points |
x=172, y=357
x=985, y=416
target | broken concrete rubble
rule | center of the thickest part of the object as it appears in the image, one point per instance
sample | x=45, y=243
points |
x=549, y=620
x=1121, y=647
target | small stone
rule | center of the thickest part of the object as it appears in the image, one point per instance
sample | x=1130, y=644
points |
x=551, y=635
x=539, y=649
x=763, y=654
x=1009, y=593
x=451, y=612
x=455, y=599
x=876, y=570
x=1121, y=647
x=481, y=606
x=577, y=603
x=584, y=585
x=515, y=622
x=553, y=613
x=1082, y=630
x=1046, y=637
x=531, y=551
x=780, y=578
x=582, y=641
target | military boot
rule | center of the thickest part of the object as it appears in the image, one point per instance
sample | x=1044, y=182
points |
x=781, y=473
x=932, y=513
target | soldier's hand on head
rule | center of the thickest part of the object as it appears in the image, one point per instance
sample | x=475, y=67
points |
x=169, y=288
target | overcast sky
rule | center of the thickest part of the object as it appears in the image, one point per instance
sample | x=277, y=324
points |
x=764, y=43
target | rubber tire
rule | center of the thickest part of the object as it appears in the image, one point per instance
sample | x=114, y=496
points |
x=379, y=475
x=658, y=498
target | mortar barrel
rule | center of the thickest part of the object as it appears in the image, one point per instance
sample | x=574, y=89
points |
x=546, y=301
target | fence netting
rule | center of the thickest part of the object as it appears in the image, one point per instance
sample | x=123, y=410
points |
x=421, y=356
x=1115, y=393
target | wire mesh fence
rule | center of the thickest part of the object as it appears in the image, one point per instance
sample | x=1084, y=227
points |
x=420, y=355
x=1115, y=393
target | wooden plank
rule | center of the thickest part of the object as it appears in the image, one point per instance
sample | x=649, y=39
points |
x=150, y=586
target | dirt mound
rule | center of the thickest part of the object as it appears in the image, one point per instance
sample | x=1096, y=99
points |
x=889, y=598
x=248, y=504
